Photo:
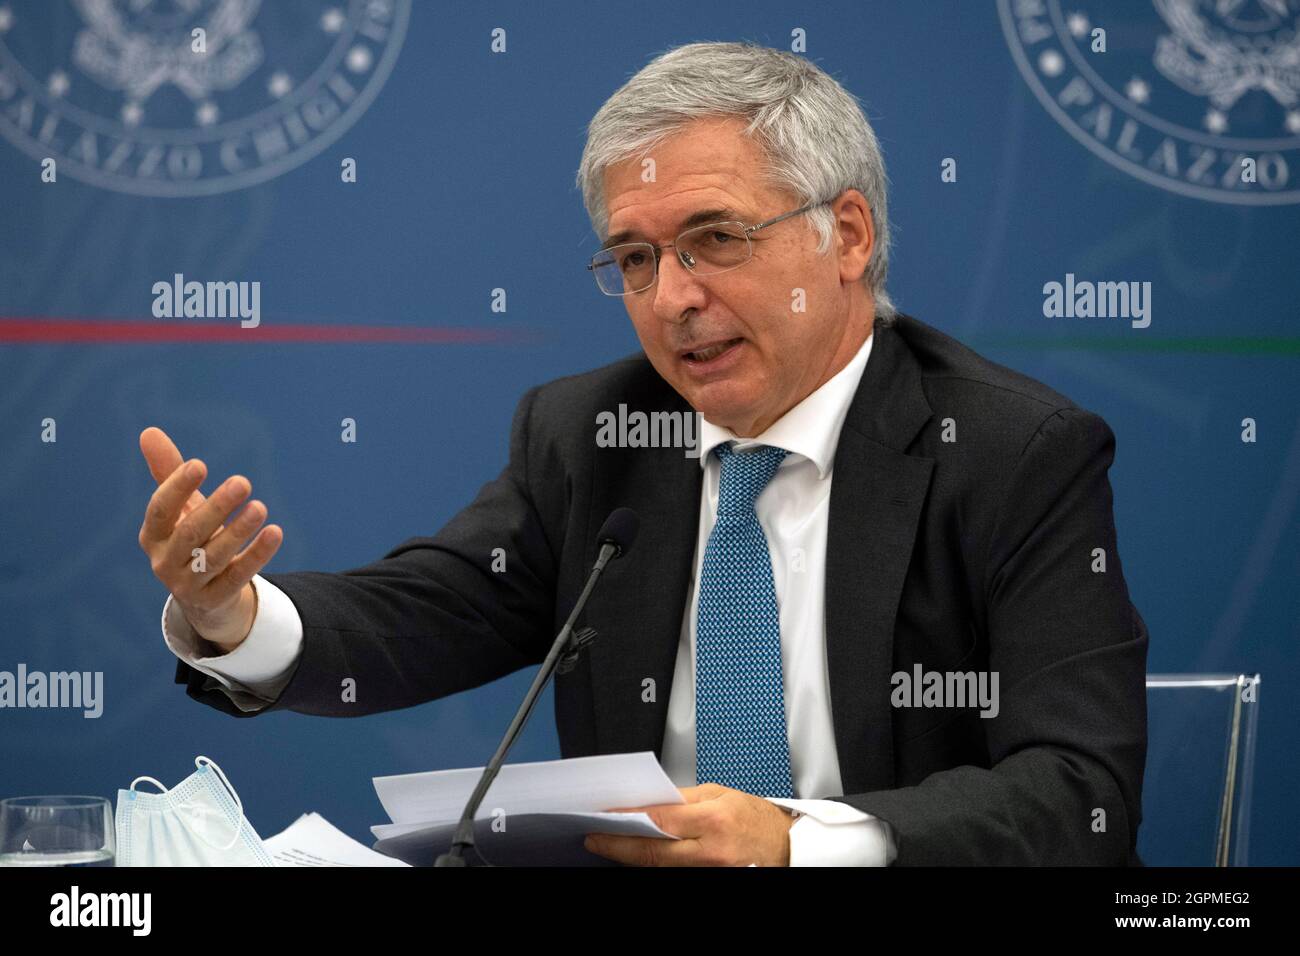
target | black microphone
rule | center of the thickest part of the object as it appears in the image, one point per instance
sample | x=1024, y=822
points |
x=620, y=530
x=615, y=540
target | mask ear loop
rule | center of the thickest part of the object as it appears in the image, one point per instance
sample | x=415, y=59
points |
x=239, y=806
x=151, y=780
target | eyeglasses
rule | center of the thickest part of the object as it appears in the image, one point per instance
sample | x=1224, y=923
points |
x=705, y=250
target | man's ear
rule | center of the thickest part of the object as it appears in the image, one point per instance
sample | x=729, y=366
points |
x=856, y=231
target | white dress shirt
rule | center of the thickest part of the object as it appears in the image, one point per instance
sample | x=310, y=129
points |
x=793, y=511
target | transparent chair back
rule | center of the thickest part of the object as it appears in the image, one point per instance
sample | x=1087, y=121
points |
x=1200, y=768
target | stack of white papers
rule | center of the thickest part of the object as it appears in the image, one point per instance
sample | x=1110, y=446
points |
x=534, y=814
x=311, y=840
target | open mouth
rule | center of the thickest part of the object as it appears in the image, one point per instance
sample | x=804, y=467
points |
x=709, y=353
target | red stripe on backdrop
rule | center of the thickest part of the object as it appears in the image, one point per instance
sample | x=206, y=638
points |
x=44, y=329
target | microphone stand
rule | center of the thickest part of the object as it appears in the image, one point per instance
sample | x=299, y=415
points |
x=464, y=839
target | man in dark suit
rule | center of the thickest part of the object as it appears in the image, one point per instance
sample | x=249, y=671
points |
x=875, y=504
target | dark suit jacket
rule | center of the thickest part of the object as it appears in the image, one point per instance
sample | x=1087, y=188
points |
x=959, y=555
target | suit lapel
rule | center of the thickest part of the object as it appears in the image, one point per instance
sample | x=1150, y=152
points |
x=877, y=493
x=638, y=606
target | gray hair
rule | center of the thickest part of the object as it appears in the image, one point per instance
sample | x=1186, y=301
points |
x=813, y=133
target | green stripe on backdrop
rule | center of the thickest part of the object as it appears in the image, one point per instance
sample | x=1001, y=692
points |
x=1222, y=345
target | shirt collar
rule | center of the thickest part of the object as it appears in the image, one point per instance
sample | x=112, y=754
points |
x=811, y=428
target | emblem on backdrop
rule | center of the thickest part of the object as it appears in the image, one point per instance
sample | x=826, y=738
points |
x=189, y=97
x=1200, y=97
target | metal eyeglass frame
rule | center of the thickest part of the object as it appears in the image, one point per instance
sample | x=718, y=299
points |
x=749, y=230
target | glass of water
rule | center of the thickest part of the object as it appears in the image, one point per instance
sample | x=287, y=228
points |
x=57, y=831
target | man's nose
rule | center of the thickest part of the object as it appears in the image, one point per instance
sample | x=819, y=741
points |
x=676, y=289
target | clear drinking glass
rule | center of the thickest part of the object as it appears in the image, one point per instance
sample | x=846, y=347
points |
x=57, y=831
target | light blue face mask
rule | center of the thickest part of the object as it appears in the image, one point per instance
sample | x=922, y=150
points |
x=195, y=823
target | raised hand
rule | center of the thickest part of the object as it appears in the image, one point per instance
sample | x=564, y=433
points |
x=219, y=601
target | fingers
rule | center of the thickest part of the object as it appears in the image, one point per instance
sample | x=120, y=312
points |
x=646, y=851
x=163, y=458
x=240, y=570
x=222, y=546
x=705, y=791
x=179, y=519
x=160, y=452
x=679, y=819
x=718, y=827
x=166, y=503
x=197, y=528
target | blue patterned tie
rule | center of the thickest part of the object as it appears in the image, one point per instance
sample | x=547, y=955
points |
x=740, y=735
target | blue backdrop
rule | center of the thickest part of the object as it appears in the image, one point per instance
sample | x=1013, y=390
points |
x=465, y=183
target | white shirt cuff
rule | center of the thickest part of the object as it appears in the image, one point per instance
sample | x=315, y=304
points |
x=832, y=833
x=254, y=673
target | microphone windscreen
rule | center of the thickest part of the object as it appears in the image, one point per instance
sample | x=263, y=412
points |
x=620, y=529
